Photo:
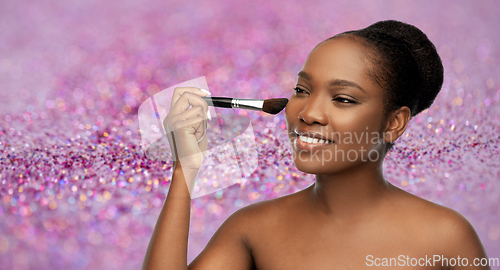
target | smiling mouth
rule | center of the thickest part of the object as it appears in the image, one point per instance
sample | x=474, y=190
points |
x=310, y=140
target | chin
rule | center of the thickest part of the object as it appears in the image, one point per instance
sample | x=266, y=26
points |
x=307, y=168
x=324, y=163
x=322, y=166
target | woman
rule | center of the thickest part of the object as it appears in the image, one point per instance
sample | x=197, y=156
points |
x=354, y=97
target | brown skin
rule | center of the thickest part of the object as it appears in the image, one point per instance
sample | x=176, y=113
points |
x=351, y=211
x=168, y=245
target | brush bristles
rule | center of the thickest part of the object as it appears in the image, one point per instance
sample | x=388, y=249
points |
x=274, y=105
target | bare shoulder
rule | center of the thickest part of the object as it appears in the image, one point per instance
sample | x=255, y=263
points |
x=267, y=210
x=455, y=234
x=266, y=221
x=445, y=228
x=232, y=245
x=441, y=219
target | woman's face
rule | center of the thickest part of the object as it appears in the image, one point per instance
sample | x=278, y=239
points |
x=335, y=99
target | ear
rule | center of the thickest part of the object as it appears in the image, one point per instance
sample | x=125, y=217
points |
x=396, y=124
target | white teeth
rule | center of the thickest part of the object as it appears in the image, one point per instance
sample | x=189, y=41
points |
x=313, y=140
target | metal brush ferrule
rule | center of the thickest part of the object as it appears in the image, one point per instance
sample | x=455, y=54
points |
x=248, y=104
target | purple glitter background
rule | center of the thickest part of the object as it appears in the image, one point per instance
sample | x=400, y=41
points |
x=76, y=191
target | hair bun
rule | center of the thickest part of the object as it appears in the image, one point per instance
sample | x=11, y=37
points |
x=428, y=60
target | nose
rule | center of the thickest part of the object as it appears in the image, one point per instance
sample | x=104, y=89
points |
x=314, y=111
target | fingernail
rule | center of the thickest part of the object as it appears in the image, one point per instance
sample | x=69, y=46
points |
x=208, y=115
x=205, y=91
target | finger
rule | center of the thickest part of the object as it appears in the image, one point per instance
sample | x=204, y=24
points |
x=181, y=107
x=184, y=130
x=184, y=135
x=178, y=91
x=186, y=100
x=197, y=111
x=190, y=113
x=185, y=143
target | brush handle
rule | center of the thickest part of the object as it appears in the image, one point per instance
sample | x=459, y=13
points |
x=221, y=102
x=225, y=102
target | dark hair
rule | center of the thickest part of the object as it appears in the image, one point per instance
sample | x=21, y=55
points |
x=405, y=64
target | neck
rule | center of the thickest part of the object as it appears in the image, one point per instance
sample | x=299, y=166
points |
x=349, y=193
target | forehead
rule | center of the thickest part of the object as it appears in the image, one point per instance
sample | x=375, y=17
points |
x=338, y=58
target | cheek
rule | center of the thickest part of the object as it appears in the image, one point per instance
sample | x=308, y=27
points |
x=287, y=117
x=359, y=129
x=356, y=122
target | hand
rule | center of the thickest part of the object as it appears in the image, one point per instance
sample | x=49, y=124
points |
x=185, y=126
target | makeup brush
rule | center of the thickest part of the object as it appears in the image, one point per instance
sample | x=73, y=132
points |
x=271, y=106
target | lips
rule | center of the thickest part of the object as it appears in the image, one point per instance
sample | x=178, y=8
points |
x=313, y=140
x=312, y=137
x=310, y=141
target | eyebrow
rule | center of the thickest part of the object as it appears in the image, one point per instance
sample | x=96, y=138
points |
x=336, y=82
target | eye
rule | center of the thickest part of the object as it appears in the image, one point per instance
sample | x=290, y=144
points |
x=299, y=90
x=345, y=100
